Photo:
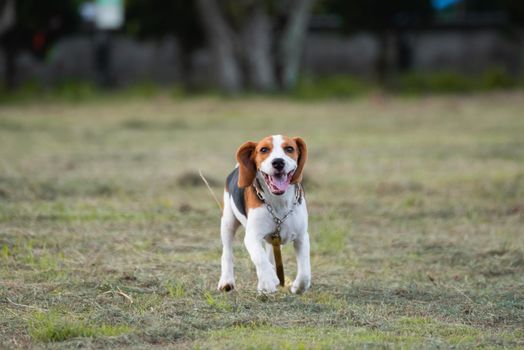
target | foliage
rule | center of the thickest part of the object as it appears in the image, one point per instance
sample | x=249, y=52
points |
x=39, y=24
x=451, y=82
x=498, y=78
x=164, y=18
x=330, y=87
x=308, y=88
x=439, y=82
x=378, y=16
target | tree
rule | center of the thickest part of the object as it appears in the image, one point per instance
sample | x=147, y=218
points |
x=165, y=18
x=7, y=15
x=383, y=18
x=388, y=20
x=255, y=44
x=7, y=21
x=34, y=26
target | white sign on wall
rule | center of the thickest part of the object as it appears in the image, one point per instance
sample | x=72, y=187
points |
x=109, y=14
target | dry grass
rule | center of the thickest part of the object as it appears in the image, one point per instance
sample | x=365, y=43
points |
x=416, y=215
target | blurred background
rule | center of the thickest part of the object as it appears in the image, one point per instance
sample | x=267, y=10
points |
x=303, y=47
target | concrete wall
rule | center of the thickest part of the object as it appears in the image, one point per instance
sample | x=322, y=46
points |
x=132, y=62
x=73, y=58
x=470, y=52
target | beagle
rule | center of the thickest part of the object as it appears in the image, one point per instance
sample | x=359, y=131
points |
x=261, y=191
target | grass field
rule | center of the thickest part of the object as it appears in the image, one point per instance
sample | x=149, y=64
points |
x=109, y=240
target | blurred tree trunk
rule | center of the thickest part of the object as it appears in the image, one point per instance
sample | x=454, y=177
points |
x=7, y=15
x=256, y=49
x=221, y=40
x=385, y=56
x=186, y=65
x=255, y=55
x=292, y=41
x=7, y=21
x=381, y=63
x=9, y=67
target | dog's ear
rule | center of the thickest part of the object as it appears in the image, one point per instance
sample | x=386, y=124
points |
x=302, y=157
x=246, y=164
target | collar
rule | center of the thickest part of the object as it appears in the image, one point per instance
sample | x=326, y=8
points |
x=278, y=220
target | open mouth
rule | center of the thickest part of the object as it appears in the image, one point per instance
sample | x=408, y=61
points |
x=278, y=182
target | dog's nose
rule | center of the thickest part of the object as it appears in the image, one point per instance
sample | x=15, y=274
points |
x=278, y=163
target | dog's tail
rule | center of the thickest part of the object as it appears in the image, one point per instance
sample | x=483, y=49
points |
x=210, y=190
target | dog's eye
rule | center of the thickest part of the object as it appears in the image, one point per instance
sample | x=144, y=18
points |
x=264, y=150
x=289, y=149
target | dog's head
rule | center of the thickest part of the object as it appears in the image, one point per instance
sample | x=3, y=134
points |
x=278, y=159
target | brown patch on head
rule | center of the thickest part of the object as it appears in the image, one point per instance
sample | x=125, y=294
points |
x=301, y=160
x=246, y=165
x=263, y=150
x=290, y=147
x=249, y=156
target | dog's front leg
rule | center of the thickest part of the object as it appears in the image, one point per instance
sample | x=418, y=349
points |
x=228, y=227
x=303, y=280
x=267, y=277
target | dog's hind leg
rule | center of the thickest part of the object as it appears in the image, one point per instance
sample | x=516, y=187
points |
x=228, y=226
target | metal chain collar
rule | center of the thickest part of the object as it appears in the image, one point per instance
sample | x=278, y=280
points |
x=278, y=221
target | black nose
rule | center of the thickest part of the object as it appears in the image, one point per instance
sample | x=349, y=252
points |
x=278, y=163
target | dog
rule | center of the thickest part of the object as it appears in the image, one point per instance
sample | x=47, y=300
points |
x=265, y=187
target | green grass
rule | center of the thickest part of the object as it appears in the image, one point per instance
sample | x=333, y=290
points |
x=405, y=333
x=51, y=327
x=108, y=239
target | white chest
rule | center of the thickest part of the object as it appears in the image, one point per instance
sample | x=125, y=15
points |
x=261, y=222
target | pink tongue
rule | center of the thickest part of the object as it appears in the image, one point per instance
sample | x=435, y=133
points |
x=281, y=183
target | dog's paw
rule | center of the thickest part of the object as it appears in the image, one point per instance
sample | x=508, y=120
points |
x=226, y=284
x=300, y=285
x=268, y=283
